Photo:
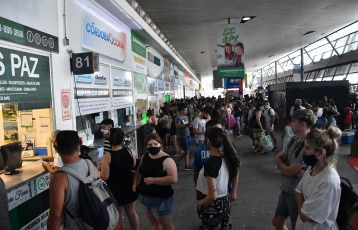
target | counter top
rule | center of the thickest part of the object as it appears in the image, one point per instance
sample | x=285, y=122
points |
x=26, y=173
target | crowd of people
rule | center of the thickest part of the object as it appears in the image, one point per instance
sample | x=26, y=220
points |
x=310, y=188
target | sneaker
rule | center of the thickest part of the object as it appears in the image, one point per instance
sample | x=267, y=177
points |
x=188, y=168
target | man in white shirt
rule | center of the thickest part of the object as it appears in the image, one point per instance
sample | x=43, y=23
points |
x=269, y=114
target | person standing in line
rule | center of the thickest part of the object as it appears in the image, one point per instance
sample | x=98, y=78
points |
x=238, y=113
x=258, y=128
x=287, y=133
x=106, y=125
x=297, y=106
x=64, y=188
x=157, y=172
x=116, y=170
x=219, y=171
x=4, y=207
x=332, y=113
x=292, y=167
x=199, y=127
x=182, y=124
x=57, y=162
x=166, y=123
x=269, y=115
x=173, y=133
x=318, y=193
x=202, y=155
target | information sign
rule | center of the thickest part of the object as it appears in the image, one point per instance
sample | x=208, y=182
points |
x=24, y=77
x=82, y=63
x=21, y=34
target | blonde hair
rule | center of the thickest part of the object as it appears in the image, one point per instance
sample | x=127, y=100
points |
x=327, y=140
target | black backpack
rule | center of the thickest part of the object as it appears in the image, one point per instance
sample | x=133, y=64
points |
x=348, y=199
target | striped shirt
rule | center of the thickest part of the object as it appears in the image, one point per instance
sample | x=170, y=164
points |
x=107, y=146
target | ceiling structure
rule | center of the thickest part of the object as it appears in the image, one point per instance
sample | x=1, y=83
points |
x=277, y=30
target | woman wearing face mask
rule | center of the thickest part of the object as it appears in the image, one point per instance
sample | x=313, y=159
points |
x=220, y=170
x=116, y=170
x=158, y=172
x=319, y=190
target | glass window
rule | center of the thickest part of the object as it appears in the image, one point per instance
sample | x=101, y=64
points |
x=343, y=32
x=354, y=68
x=352, y=46
x=339, y=77
x=352, y=78
x=342, y=69
x=341, y=42
x=329, y=71
x=327, y=78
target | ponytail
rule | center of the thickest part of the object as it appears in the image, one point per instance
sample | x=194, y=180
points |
x=230, y=157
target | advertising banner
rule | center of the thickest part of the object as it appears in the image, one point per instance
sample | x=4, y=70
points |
x=167, y=87
x=186, y=79
x=121, y=79
x=102, y=37
x=140, y=85
x=231, y=83
x=176, y=80
x=155, y=64
x=160, y=86
x=172, y=71
x=230, y=51
x=180, y=77
x=152, y=86
x=172, y=89
x=98, y=80
x=21, y=34
x=139, y=54
x=166, y=69
x=25, y=77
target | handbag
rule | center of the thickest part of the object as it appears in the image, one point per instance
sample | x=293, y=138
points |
x=266, y=142
x=232, y=121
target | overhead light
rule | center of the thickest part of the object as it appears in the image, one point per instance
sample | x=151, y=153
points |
x=165, y=39
x=142, y=13
x=161, y=35
x=246, y=18
x=148, y=20
x=157, y=31
x=134, y=5
x=154, y=26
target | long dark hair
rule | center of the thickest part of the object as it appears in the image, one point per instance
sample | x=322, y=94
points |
x=218, y=139
x=116, y=136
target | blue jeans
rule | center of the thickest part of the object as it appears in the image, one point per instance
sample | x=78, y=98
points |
x=159, y=207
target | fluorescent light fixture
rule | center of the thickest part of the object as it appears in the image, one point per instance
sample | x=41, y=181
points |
x=142, y=13
x=148, y=20
x=157, y=31
x=154, y=27
x=165, y=39
x=246, y=18
x=161, y=36
x=135, y=5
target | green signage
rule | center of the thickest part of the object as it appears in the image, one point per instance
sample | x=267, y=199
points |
x=140, y=83
x=138, y=45
x=225, y=72
x=18, y=33
x=24, y=77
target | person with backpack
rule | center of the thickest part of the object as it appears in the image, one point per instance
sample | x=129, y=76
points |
x=70, y=186
x=257, y=123
x=292, y=167
x=318, y=193
x=116, y=170
x=157, y=172
x=270, y=117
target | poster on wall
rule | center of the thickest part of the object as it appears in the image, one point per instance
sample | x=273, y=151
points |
x=166, y=69
x=186, y=79
x=231, y=83
x=180, y=77
x=66, y=104
x=172, y=71
x=172, y=89
x=139, y=54
x=140, y=86
x=24, y=77
x=155, y=65
x=230, y=51
x=167, y=87
x=152, y=86
x=121, y=79
x=9, y=114
x=176, y=80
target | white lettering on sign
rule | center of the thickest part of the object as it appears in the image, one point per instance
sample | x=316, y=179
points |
x=2, y=66
x=17, y=63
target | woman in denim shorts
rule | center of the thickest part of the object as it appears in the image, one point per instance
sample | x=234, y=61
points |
x=158, y=172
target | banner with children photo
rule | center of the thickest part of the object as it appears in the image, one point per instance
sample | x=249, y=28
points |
x=230, y=51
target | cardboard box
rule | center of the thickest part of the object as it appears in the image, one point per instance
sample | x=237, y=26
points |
x=354, y=148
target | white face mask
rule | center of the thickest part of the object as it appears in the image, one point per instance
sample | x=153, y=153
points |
x=104, y=131
x=222, y=108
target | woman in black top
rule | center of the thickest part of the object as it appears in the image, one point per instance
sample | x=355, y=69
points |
x=116, y=170
x=158, y=172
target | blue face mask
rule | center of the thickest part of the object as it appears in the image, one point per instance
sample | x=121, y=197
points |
x=266, y=106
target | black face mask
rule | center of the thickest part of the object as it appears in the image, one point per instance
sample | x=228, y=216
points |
x=205, y=117
x=154, y=150
x=310, y=160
